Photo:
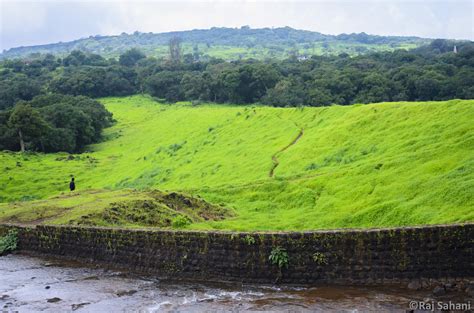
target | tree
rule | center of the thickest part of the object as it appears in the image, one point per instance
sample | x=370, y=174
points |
x=53, y=122
x=86, y=81
x=195, y=86
x=287, y=92
x=374, y=87
x=175, y=50
x=75, y=58
x=255, y=80
x=165, y=84
x=319, y=97
x=78, y=58
x=196, y=53
x=17, y=87
x=8, y=138
x=131, y=57
x=26, y=122
x=120, y=81
x=72, y=118
x=428, y=86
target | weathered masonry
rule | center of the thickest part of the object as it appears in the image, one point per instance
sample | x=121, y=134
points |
x=376, y=256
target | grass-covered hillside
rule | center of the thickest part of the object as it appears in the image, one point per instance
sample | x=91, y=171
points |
x=383, y=164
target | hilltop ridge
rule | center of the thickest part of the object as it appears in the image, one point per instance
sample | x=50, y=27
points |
x=229, y=43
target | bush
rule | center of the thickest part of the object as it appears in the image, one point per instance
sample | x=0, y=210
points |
x=279, y=257
x=8, y=242
x=180, y=221
x=249, y=240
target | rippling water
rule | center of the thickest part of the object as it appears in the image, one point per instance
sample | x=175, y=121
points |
x=49, y=285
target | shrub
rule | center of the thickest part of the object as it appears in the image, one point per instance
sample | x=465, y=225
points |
x=279, y=257
x=8, y=242
x=319, y=258
x=311, y=167
x=180, y=222
x=249, y=240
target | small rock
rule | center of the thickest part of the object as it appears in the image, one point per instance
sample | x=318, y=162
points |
x=79, y=305
x=414, y=285
x=122, y=293
x=439, y=291
x=54, y=300
x=206, y=300
x=47, y=287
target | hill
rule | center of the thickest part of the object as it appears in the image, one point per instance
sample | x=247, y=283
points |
x=229, y=43
x=385, y=164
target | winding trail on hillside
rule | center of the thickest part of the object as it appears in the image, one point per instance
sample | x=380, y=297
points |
x=274, y=156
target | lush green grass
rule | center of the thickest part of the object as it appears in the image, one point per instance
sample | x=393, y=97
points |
x=282, y=51
x=384, y=164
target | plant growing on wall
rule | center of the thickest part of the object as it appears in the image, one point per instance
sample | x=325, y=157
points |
x=320, y=258
x=8, y=242
x=279, y=257
x=249, y=240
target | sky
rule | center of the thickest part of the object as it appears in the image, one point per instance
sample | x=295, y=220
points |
x=28, y=22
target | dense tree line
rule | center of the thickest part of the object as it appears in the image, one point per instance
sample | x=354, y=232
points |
x=53, y=122
x=38, y=96
x=433, y=72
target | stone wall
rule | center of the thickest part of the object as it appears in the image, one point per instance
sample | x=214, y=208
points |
x=375, y=256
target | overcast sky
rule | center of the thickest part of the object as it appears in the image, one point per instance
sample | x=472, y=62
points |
x=26, y=22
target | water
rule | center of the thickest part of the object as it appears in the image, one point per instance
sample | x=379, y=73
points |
x=32, y=284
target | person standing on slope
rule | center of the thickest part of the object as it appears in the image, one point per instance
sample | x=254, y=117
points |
x=72, y=184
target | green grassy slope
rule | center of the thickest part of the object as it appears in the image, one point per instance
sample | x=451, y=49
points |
x=372, y=165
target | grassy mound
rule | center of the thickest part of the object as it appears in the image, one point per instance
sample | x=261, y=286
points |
x=386, y=164
x=131, y=208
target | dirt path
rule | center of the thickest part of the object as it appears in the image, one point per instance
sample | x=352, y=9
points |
x=274, y=156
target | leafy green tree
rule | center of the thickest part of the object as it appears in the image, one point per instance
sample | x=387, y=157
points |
x=86, y=81
x=120, y=81
x=131, y=57
x=165, y=85
x=75, y=58
x=52, y=123
x=27, y=123
x=59, y=139
x=66, y=116
x=8, y=138
x=428, y=86
x=287, y=92
x=17, y=87
x=195, y=86
x=319, y=97
x=175, y=50
x=375, y=87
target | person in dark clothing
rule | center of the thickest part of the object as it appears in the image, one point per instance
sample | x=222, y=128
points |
x=72, y=184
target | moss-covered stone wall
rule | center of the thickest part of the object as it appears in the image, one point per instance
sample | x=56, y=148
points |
x=374, y=256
